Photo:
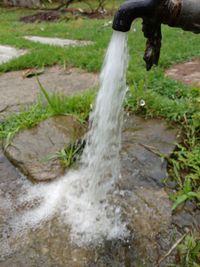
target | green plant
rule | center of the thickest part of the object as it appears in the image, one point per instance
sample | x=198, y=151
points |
x=157, y=105
x=187, y=192
x=184, y=163
x=185, y=169
x=185, y=166
x=27, y=118
x=79, y=105
x=69, y=154
x=189, y=251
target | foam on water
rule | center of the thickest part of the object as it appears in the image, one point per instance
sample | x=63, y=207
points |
x=83, y=197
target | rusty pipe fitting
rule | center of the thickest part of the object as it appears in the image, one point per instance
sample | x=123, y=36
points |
x=189, y=19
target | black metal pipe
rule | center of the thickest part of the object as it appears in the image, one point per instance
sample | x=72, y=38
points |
x=131, y=10
x=183, y=14
x=190, y=16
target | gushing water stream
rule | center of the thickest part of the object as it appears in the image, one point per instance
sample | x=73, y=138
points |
x=82, y=198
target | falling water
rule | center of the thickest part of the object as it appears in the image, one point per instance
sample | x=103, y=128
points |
x=83, y=197
x=92, y=216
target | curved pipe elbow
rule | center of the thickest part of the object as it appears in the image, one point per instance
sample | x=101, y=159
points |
x=131, y=10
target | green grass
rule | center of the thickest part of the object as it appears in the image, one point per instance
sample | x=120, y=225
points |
x=78, y=105
x=70, y=154
x=184, y=163
x=189, y=251
x=12, y=32
x=177, y=45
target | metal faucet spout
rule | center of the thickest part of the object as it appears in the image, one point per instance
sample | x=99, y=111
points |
x=131, y=10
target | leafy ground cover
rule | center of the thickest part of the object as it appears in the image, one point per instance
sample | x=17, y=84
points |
x=151, y=94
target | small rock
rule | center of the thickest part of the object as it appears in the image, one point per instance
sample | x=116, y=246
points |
x=183, y=220
x=30, y=149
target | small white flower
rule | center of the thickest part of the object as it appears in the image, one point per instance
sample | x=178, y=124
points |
x=142, y=103
x=107, y=23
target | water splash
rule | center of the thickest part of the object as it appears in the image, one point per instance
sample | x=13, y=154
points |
x=84, y=198
x=92, y=216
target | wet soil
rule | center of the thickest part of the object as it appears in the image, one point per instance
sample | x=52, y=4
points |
x=42, y=16
x=55, y=15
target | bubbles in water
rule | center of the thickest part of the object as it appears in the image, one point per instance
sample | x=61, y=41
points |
x=84, y=198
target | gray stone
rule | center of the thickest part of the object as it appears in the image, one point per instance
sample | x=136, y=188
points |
x=187, y=72
x=17, y=91
x=146, y=203
x=145, y=206
x=144, y=144
x=57, y=41
x=187, y=216
x=7, y=53
x=30, y=149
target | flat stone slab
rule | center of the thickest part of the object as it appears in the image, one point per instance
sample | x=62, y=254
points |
x=57, y=41
x=7, y=53
x=30, y=149
x=17, y=91
x=145, y=204
x=188, y=72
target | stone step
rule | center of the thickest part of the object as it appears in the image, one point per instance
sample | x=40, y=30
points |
x=57, y=41
x=7, y=53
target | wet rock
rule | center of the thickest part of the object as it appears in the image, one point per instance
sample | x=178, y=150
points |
x=145, y=143
x=8, y=175
x=183, y=220
x=144, y=202
x=187, y=72
x=17, y=92
x=30, y=149
x=187, y=216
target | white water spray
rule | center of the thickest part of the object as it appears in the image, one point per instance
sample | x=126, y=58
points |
x=91, y=216
x=83, y=197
